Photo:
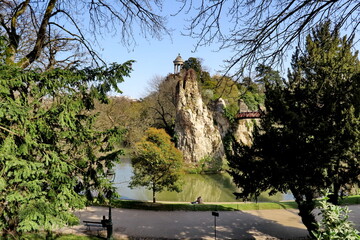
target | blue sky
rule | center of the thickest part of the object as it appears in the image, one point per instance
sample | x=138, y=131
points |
x=155, y=58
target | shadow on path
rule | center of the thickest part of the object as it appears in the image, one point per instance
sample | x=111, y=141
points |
x=261, y=224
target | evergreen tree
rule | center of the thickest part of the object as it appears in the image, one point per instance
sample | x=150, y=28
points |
x=49, y=153
x=308, y=140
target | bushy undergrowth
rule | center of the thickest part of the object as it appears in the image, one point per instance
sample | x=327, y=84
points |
x=335, y=224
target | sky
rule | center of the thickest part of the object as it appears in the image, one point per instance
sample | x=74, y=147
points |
x=155, y=57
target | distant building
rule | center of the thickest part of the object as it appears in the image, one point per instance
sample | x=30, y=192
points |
x=178, y=63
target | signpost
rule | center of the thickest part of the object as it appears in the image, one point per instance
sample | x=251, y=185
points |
x=215, y=214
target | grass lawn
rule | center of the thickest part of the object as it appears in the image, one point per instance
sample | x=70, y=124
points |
x=202, y=207
x=217, y=207
x=350, y=200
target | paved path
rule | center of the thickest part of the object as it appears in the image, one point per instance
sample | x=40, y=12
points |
x=257, y=224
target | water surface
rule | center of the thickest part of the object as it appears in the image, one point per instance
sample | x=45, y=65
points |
x=212, y=188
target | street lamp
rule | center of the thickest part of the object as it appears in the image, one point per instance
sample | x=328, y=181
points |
x=110, y=174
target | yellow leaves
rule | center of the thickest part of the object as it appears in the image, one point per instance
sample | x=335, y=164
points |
x=157, y=164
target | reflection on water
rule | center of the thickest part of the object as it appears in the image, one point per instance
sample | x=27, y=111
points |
x=212, y=188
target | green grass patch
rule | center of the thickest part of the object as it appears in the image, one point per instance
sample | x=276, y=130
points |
x=202, y=207
x=217, y=207
x=261, y=206
x=350, y=200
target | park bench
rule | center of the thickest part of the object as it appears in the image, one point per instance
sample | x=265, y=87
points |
x=104, y=224
x=98, y=225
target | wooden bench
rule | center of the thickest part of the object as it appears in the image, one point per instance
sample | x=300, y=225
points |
x=99, y=225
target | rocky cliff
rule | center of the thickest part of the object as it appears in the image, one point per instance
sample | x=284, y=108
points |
x=197, y=135
x=201, y=129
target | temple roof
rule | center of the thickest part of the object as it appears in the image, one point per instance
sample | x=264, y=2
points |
x=178, y=60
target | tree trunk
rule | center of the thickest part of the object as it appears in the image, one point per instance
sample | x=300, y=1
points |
x=334, y=196
x=154, y=200
x=41, y=36
x=306, y=206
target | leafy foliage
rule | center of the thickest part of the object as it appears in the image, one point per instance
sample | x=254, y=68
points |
x=194, y=63
x=253, y=99
x=308, y=140
x=335, y=224
x=160, y=106
x=49, y=153
x=157, y=163
x=122, y=113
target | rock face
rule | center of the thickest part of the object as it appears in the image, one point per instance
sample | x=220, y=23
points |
x=242, y=131
x=221, y=122
x=197, y=135
x=201, y=129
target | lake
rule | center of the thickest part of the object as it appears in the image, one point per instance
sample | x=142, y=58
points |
x=212, y=188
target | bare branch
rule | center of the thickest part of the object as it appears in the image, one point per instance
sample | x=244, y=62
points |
x=264, y=31
x=28, y=25
x=9, y=131
x=41, y=34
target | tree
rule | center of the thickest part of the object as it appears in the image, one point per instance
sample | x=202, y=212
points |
x=51, y=159
x=203, y=76
x=308, y=140
x=262, y=32
x=123, y=113
x=193, y=63
x=37, y=29
x=157, y=163
x=160, y=104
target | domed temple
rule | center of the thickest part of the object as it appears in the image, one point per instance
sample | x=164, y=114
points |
x=178, y=63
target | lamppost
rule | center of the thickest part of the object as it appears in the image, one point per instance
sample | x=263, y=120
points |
x=110, y=174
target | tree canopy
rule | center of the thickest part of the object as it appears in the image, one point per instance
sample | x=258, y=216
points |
x=51, y=158
x=160, y=105
x=308, y=140
x=157, y=163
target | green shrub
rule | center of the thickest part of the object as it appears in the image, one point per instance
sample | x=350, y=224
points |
x=231, y=111
x=335, y=224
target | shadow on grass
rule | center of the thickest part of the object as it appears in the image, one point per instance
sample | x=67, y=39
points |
x=130, y=204
x=127, y=204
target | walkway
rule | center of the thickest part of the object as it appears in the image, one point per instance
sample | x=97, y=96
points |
x=257, y=224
